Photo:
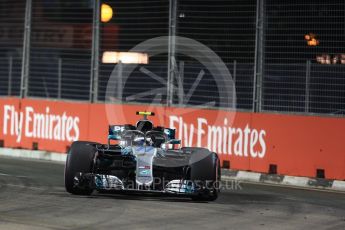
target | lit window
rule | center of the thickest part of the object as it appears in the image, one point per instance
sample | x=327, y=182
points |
x=125, y=57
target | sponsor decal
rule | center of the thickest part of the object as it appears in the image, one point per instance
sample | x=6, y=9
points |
x=144, y=172
x=31, y=124
x=224, y=139
x=145, y=167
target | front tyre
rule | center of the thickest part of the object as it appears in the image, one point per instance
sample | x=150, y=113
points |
x=205, y=172
x=79, y=159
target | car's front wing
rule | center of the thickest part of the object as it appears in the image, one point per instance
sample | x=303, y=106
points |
x=112, y=184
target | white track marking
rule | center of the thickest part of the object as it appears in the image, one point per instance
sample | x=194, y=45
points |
x=18, y=176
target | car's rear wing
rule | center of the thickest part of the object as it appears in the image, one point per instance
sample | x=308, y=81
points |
x=170, y=133
x=171, y=136
x=115, y=131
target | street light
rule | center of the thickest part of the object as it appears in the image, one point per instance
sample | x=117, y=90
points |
x=311, y=39
x=106, y=13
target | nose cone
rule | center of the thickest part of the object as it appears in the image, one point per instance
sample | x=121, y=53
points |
x=144, y=156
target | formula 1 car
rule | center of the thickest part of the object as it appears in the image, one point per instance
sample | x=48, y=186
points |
x=146, y=159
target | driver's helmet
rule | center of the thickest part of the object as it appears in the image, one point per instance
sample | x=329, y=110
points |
x=144, y=125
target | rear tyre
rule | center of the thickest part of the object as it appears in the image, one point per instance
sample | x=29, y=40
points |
x=205, y=171
x=79, y=159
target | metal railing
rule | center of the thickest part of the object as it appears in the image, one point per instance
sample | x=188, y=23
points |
x=53, y=49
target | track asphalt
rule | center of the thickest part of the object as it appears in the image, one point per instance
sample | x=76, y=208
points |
x=32, y=196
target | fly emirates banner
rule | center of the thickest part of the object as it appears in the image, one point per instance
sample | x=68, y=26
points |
x=298, y=145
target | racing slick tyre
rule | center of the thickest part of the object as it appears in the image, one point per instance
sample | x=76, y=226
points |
x=79, y=159
x=205, y=172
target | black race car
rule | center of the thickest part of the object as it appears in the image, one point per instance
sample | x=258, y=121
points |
x=145, y=160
